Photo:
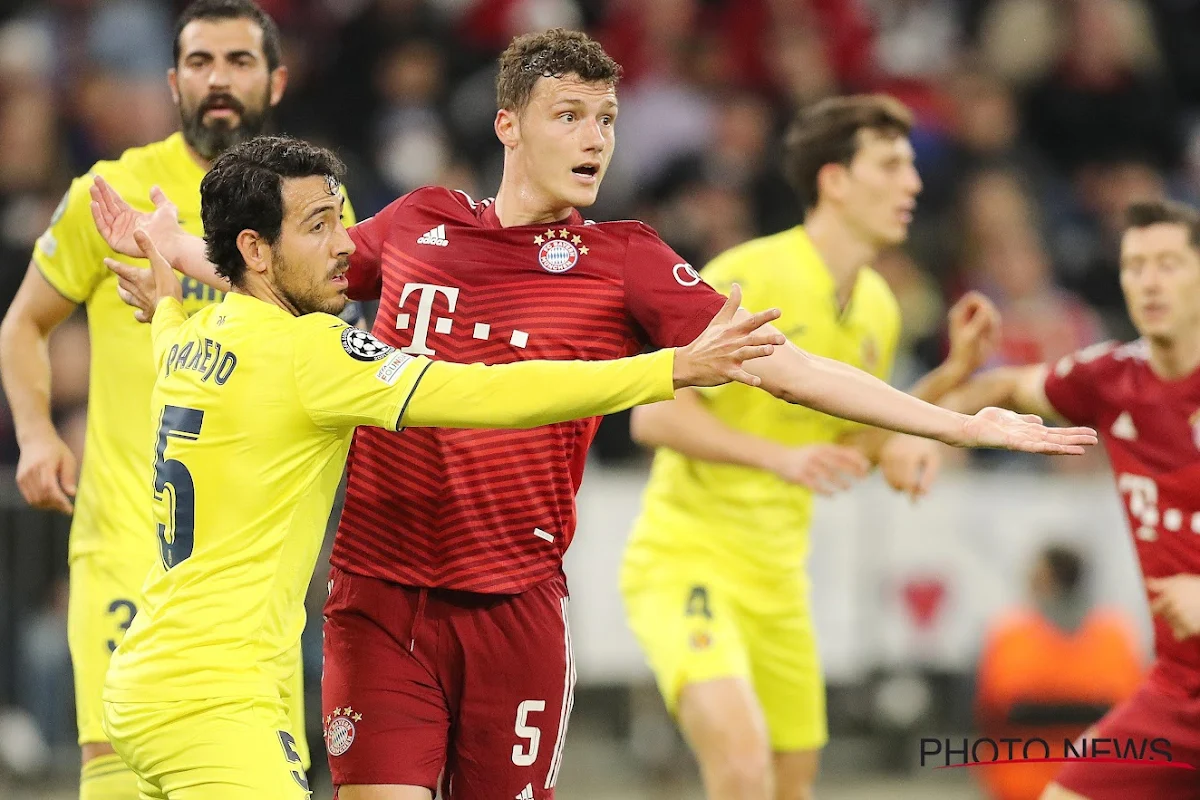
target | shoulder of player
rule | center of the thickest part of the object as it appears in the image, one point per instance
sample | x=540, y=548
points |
x=135, y=163
x=442, y=199
x=1107, y=357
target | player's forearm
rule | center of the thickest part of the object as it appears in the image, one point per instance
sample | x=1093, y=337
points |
x=527, y=394
x=187, y=254
x=997, y=387
x=844, y=391
x=932, y=387
x=25, y=373
x=687, y=427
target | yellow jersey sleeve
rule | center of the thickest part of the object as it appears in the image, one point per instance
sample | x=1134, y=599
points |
x=345, y=377
x=168, y=316
x=70, y=253
x=527, y=394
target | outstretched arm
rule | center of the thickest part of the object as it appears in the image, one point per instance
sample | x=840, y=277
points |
x=843, y=391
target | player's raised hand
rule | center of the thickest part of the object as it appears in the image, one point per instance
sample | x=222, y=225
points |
x=1007, y=430
x=910, y=464
x=117, y=220
x=1178, y=602
x=974, y=331
x=144, y=288
x=46, y=473
x=824, y=468
x=718, y=353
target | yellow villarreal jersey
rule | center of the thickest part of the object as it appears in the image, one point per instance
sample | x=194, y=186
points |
x=111, y=510
x=747, y=518
x=254, y=410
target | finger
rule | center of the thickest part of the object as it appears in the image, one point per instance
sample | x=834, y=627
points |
x=125, y=272
x=50, y=495
x=158, y=197
x=760, y=336
x=750, y=352
x=66, y=473
x=849, y=459
x=1034, y=418
x=732, y=304
x=741, y=376
x=930, y=467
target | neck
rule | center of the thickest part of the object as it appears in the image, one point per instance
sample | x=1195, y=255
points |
x=200, y=160
x=843, y=252
x=261, y=290
x=519, y=203
x=1174, y=358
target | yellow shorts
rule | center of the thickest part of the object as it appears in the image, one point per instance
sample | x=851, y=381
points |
x=692, y=631
x=105, y=594
x=223, y=749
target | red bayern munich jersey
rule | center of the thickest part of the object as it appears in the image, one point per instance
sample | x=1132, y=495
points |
x=1151, y=430
x=494, y=511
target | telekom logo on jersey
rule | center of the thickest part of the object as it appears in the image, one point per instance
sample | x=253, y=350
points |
x=426, y=294
x=1141, y=494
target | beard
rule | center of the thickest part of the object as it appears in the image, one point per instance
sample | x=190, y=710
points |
x=306, y=297
x=210, y=140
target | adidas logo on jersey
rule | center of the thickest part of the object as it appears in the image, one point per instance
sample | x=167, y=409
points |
x=526, y=793
x=1123, y=428
x=436, y=237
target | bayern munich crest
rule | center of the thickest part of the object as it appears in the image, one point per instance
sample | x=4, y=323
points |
x=340, y=730
x=560, y=250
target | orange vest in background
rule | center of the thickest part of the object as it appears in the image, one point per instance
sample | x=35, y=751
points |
x=1027, y=660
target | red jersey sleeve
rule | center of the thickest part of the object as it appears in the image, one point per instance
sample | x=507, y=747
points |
x=1074, y=384
x=365, y=276
x=663, y=294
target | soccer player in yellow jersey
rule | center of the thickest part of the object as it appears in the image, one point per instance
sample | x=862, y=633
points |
x=255, y=403
x=226, y=78
x=714, y=574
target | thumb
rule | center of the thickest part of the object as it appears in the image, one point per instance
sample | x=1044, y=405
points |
x=158, y=265
x=66, y=473
x=159, y=197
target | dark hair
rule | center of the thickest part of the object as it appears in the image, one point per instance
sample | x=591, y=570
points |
x=550, y=54
x=244, y=191
x=233, y=9
x=827, y=133
x=1165, y=212
x=1066, y=567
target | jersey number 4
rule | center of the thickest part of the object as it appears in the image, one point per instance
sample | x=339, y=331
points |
x=173, y=484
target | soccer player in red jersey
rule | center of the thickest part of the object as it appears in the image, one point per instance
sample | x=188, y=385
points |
x=1144, y=397
x=447, y=648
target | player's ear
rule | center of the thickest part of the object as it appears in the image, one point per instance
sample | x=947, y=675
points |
x=173, y=82
x=255, y=251
x=279, y=79
x=831, y=181
x=508, y=127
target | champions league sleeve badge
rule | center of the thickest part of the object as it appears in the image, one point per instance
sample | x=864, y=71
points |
x=362, y=346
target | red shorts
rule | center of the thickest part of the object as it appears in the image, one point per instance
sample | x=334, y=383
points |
x=417, y=680
x=1148, y=715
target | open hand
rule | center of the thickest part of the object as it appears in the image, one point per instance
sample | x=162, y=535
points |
x=1007, y=430
x=718, y=353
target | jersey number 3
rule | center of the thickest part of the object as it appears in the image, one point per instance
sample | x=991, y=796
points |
x=173, y=484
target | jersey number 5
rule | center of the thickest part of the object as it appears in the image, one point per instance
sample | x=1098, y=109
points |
x=181, y=423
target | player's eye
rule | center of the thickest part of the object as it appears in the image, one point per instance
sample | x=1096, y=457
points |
x=607, y=120
x=320, y=226
x=567, y=116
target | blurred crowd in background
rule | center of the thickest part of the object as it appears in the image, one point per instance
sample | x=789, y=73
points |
x=1037, y=122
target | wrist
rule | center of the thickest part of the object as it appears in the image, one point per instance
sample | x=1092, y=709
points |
x=30, y=433
x=769, y=456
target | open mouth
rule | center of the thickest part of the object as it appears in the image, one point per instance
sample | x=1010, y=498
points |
x=589, y=171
